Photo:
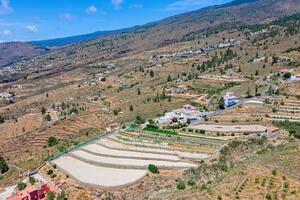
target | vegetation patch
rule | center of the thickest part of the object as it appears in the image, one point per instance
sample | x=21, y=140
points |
x=292, y=127
x=153, y=169
x=168, y=132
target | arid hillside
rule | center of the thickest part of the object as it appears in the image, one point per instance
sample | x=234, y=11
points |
x=16, y=51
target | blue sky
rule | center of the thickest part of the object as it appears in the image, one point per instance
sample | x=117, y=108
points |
x=26, y=20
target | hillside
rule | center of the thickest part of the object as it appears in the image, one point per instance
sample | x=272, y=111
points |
x=16, y=51
x=185, y=27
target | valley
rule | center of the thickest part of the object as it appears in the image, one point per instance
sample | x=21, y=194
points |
x=202, y=105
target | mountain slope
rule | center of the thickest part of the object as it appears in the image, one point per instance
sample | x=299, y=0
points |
x=15, y=51
x=193, y=24
x=238, y=11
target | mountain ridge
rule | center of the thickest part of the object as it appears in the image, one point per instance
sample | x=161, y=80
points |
x=62, y=41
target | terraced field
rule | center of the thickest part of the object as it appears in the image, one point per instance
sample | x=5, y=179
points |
x=286, y=110
x=126, y=157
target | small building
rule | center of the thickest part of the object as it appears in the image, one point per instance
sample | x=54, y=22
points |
x=230, y=99
x=6, y=96
x=187, y=114
x=295, y=77
x=35, y=192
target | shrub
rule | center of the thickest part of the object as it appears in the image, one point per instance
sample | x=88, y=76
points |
x=180, y=185
x=268, y=196
x=152, y=126
x=2, y=120
x=52, y=141
x=50, y=171
x=50, y=196
x=31, y=180
x=202, y=131
x=3, y=165
x=191, y=182
x=22, y=186
x=53, y=175
x=153, y=169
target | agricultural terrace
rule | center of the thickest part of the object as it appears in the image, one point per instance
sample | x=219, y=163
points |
x=126, y=155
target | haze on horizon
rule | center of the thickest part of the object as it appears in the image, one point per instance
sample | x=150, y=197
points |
x=38, y=20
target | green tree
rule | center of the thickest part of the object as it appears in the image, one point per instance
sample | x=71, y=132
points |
x=43, y=110
x=31, y=180
x=221, y=103
x=47, y=118
x=169, y=78
x=287, y=75
x=151, y=73
x=131, y=108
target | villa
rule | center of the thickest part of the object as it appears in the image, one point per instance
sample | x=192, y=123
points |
x=35, y=192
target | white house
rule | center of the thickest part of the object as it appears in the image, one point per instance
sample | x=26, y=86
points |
x=295, y=77
x=183, y=115
x=230, y=99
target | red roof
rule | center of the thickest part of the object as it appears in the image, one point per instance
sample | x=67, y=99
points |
x=283, y=70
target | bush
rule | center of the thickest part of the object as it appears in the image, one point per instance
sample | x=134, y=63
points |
x=180, y=185
x=152, y=126
x=31, y=180
x=153, y=169
x=191, y=182
x=52, y=141
x=53, y=175
x=50, y=171
x=50, y=196
x=2, y=120
x=3, y=165
x=22, y=186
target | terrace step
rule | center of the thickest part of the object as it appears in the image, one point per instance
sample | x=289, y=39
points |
x=97, y=149
x=124, y=163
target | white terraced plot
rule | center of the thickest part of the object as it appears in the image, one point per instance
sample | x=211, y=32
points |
x=96, y=175
x=94, y=159
x=113, y=163
x=97, y=149
x=131, y=146
x=144, y=148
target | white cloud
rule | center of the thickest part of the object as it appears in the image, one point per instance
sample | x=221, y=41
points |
x=5, y=7
x=91, y=10
x=117, y=3
x=6, y=32
x=67, y=16
x=183, y=5
x=31, y=29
